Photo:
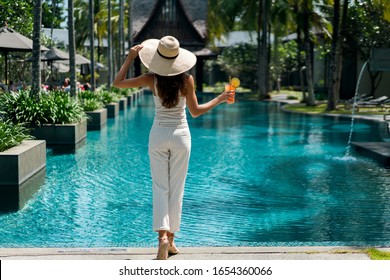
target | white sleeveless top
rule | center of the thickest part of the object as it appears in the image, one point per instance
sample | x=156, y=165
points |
x=175, y=114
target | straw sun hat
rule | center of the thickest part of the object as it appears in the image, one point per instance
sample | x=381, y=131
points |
x=165, y=57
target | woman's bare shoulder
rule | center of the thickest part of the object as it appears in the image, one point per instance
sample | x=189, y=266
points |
x=149, y=79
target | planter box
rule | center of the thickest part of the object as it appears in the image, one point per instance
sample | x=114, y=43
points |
x=130, y=99
x=112, y=110
x=23, y=171
x=97, y=119
x=123, y=103
x=61, y=134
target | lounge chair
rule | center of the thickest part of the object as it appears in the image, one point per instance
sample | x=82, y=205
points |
x=380, y=104
x=360, y=98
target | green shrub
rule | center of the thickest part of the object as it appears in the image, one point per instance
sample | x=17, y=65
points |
x=91, y=104
x=108, y=96
x=90, y=100
x=12, y=135
x=55, y=107
x=122, y=92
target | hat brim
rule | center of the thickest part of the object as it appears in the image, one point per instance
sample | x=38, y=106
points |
x=162, y=66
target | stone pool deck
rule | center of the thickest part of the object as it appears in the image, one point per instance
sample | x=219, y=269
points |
x=189, y=253
x=380, y=151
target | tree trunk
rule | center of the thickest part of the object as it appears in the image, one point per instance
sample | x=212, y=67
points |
x=109, y=47
x=340, y=52
x=36, y=53
x=72, y=49
x=309, y=70
x=121, y=33
x=301, y=68
x=130, y=31
x=263, y=49
x=91, y=17
x=375, y=81
x=332, y=72
x=52, y=23
x=258, y=52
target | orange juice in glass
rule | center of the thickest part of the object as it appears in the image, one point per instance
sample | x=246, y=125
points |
x=233, y=84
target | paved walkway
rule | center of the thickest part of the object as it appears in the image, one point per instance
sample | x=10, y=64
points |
x=189, y=253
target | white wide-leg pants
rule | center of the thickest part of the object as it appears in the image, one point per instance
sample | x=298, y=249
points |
x=169, y=153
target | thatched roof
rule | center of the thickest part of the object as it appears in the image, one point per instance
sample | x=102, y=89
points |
x=193, y=20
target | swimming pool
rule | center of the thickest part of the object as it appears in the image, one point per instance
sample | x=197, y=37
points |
x=257, y=177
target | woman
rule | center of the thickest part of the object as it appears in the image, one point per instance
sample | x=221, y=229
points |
x=169, y=138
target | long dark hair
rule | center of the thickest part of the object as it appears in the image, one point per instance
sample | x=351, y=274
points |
x=169, y=89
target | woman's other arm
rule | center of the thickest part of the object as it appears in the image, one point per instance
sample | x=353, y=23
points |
x=196, y=109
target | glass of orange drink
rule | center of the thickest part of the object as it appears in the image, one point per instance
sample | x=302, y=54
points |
x=233, y=84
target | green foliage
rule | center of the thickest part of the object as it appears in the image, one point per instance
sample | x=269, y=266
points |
x=240, y=61
x=287, y=59
x=18, y=14
x=56, y=107
x=122, y=92
x=12, y=135
x=107, y=96
x=49, y=18
x=90, y=101
x=91, y=105
x=367, y=27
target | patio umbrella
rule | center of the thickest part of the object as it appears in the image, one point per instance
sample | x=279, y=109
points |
x=12, y=41
x=80, y=60
x=54, y=54
x=83, y=62
x=57, y=54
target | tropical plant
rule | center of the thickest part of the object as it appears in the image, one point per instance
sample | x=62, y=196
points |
x=90, y=100
x=12, y=135
x=240, y=61
x=121, y=92
x=284, y=62
x=368, y=27
x=56, y=107
x=336, y=53
x=12, y=11
x=52, y=13
x=108, y=96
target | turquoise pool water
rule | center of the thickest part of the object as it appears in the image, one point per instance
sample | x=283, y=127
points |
x=257, y=176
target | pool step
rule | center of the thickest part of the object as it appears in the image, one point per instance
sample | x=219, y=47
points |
x=379, y=151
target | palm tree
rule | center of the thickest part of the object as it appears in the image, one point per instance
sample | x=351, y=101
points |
x=307, y=9
x=333, y=57
x=336, y=54
x=253, y=15
x=110, y=19
x=72, y=49
x=129, y=30
x=281, y=19
x=91, y=17
x=36, y=53
x=121, y=33
x=262, y=47
x=109, y=47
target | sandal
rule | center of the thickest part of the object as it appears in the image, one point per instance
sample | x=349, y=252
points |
x=163, y=244
x=172, y=249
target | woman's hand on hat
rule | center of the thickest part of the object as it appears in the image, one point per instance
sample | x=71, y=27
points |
x=133, y=53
